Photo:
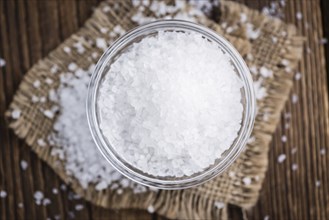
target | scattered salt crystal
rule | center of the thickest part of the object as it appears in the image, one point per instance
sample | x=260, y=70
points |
x=150, y=209
x=104, y=30
x=299, y=16
x=78, y=207
x=41, y=142
x=38, y=196
x=49, y=81
x=323, y=151
x=67, y=50
x=267, y=217
x=3, y=194
x=49, y=114
x=219, y=205
x=281, y=158
x=287, y=125
x=52, y=95
x=284, y=138
x=253, y=70
x=153, y=144
x=94, y=55
x=79, y=47
x=318, y=183
x=274, y=39
x=46, y=202
x=294, y=150
x=16, y=113
x=229, y=29
x=101, y=43
x=231, y=174
x=35, y=99
x=2, y=62
x=106, y=9
x=260, y=91
x=294, y=98
x=287, y=115
x=42, y=99
x=265, y=72
x=20, y=205
x=72, y=67
x=24, y=165
x=54, y=69
x=243, y=17
x=251, y=139
x=257, y=178
x=119, y=191
x=36, y=84
x=285, y=62
x=323, y=40
x=246, y=181
x=251, y=32
x=63, y=187
x=250, y=57
x=118, y=30
x=55, y=191
x=298, y=76
x=294, y=166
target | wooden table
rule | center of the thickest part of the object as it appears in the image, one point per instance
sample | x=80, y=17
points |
x=31, y=28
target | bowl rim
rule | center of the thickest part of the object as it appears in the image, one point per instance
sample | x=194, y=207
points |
x=246, y=124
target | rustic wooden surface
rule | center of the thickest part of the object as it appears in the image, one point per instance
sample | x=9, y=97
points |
x=29, y=29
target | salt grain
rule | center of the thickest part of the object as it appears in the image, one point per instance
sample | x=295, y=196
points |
x=322, y=151
x=251, y=32
x=2, y=62
x=38, y=196
x=150, y=209
x=294, y=150
x=318, y=183
x=36, y=84
x=284, y=138
x=294, y=98
x=281, y=158
x=16, y=113
x=3, y=194
x=298, y=76
x=41, y=142
x=101, y=43
x=294, y=167
x=49, y=81
x=35, y=99
x=24, y=164
x=49, y=114
x=246, y=181
x=78, y=207
x=265, y=72
x=20, y=205
x=138, y=116
x=67, y=50
x=267, y=217
x=219, y=205
x=46, y=202
x=299, y=16
x=55, y=191
x=72, y=67
x=42, y=99
x=54, y=69
x=323, y=41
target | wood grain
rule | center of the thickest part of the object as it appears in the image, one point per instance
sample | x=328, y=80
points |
x=30, y=29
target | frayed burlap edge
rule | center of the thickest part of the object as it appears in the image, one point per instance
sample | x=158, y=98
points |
x=196, y=203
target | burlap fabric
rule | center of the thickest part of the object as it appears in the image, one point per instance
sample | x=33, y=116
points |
x=230, y=187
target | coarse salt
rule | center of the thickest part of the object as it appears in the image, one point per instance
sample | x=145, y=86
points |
x=150, y=209
x=281, y=158
x=36, y=84
x=2, y=62
x=3, y=194
x=145, y=105
x=219, y=205
x=16, y=113
x=246, y=181
x=24, y=164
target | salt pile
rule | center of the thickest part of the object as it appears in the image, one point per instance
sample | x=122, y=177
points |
x=171, y=104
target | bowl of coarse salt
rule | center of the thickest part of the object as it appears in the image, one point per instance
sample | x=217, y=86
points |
x=171, y=104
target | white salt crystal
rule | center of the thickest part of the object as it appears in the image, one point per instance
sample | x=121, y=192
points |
x=49, y=114
x=104, y=30
x=294, y=98
x=78, y=207
x=323, y=40
x=322, y=151
x=52, y=95
x=254, y=70
x=35, y=99
x=318, y=183
x=94, y=55
x=119, y=191
x=41, y=142
x=243, y=17
x=274, y=39
x=36, y=84
x=267, y=217
x=143, y=115
x=67, y=50
x=231, y=174
x=38, y=196
x=24, y=165
x=294, y=166
x=246, y=181
x=285, y=62
x=72, y=67
x=118, y=30
x=299, y=16
x=150, y=209
x=2, y=62
x=298, y=76
x=251, y=32
x=55, y=191
x=63, y=187
x=284, y=138
x=79, y=47
x=3, y=194
x=20, y=205
x=49, y=81
x=54, y=69
x=265, y=72
x=46, y=202
x=260, y=91
x=101, y=43
x=100, y=186
x=16, y=113
x=294, y=150
x=219, y=205
x=281, y=158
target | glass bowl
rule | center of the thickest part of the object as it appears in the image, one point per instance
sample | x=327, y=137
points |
x=224, y=160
